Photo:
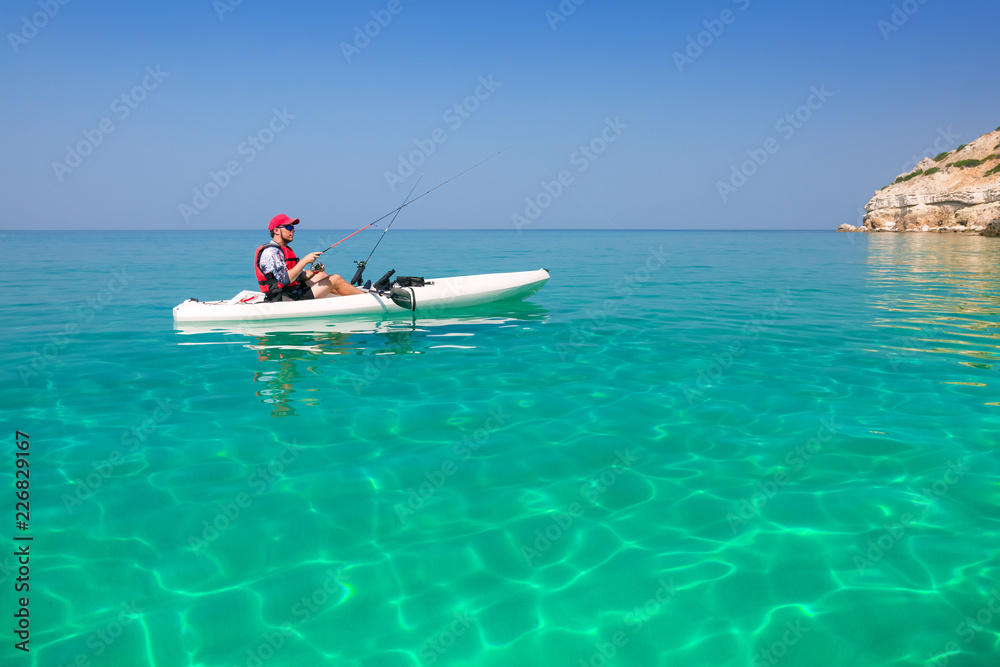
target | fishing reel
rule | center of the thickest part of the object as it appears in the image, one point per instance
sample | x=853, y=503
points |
x=318, y=266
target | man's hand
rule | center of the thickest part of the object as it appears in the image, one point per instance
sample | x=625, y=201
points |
x=294, y=272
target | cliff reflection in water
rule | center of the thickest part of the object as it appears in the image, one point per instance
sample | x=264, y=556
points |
x=940, y=295
x=291, y=352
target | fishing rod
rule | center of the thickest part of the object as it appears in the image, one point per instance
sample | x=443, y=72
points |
x=411, y=201
x=358, y=277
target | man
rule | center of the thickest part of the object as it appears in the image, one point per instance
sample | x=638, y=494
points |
x=282, y=276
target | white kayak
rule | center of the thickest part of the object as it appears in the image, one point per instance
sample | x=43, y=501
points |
x=435, y=295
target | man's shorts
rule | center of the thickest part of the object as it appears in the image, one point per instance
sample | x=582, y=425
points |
x=296, y=293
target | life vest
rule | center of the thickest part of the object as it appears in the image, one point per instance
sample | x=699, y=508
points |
x=268, y=280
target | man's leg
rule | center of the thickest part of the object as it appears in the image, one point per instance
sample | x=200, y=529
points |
x=324, y=285
x=342, y=287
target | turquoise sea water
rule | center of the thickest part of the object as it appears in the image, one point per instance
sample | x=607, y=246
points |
x=688, y=449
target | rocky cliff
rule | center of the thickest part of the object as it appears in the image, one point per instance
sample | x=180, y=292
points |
x=954, y=192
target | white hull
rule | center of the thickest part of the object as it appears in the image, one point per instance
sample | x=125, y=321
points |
x=444, y=293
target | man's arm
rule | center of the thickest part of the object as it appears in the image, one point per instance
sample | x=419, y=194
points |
x=296, y=270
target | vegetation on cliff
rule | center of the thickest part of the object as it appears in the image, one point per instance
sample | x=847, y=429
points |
x=955, y=191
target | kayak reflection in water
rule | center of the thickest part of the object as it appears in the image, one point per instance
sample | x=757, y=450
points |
x=279, y=385
x=282, y=276
x=280, y=377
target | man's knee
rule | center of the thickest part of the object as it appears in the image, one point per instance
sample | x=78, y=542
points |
x=335, y=278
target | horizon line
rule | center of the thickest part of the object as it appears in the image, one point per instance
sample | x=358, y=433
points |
x=438, y=229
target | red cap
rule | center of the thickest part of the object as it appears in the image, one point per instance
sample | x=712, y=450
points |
x=279, y=220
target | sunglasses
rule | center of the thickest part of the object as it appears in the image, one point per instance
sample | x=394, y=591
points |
x=290, y=228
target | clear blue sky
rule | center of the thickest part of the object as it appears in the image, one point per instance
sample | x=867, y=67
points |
x=897, y=88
